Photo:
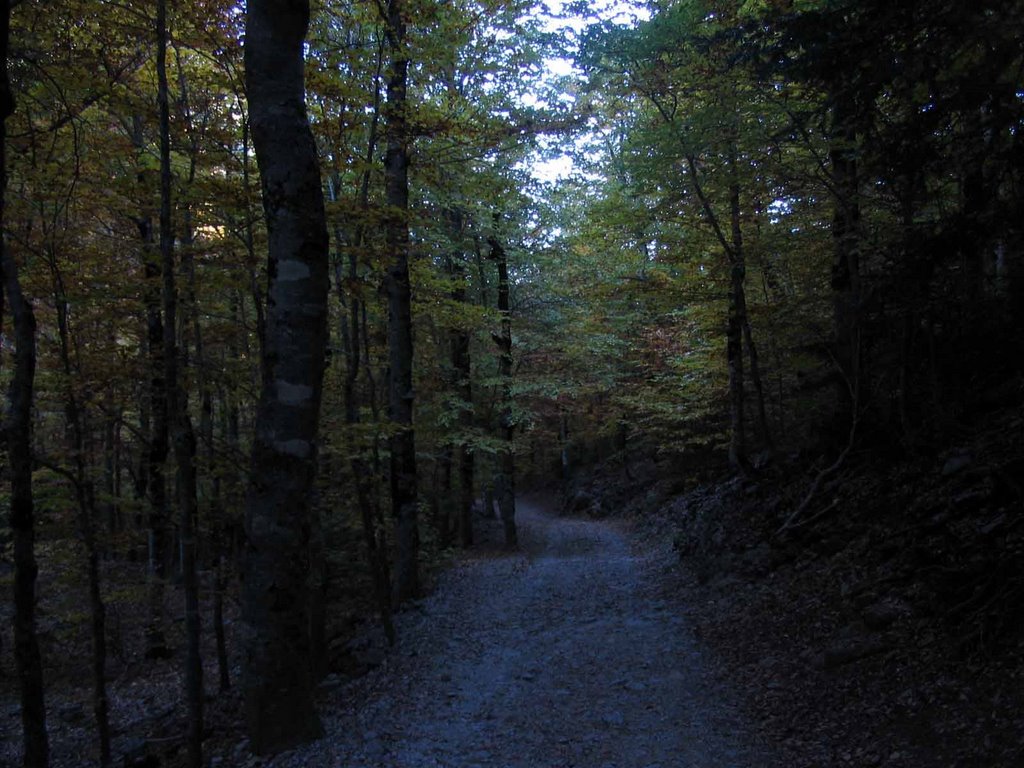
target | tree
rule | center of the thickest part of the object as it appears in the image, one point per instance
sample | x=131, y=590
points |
x=18, y=434
x=183, y=436
x=503, y=340
x=279, y=681
x=402, y=443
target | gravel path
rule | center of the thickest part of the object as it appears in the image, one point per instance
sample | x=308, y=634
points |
x=558, y=656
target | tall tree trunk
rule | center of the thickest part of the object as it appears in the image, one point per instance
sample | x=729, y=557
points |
x=400, y=343
x=279, y=683
x=18, y=429
x=355, y=343
x=733, y=247
x=462, y=368
x=221, y=543
x=250, y=245
x=184, y=438
x=507, y=459
x=156, y=410
x=739, y=259
x=734, y=360
x=563, y=453
x=112, y=475
x=86, y=501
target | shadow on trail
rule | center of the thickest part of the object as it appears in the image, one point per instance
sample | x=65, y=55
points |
x=553, y=656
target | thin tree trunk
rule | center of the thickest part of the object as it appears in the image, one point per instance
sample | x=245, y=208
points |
x=184, y=439
x=739, y=257
x=734, y=360
x=221, y=541
x=250, y=245
x=462, y=368
x=111, y=476
x=399, y=292
x=755, y=377
x=18, y=434
x=736, y=313
x=86, y=502
x=156, y=411
x=355, y=342
x=278, y=681
x=507, y=458
x=219, y=587
x=18, y=428
x=563, y=453
x=18, y=431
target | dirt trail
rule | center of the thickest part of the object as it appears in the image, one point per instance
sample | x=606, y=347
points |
x=558, y=656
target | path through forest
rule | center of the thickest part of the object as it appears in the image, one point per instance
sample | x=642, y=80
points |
x=560, y=655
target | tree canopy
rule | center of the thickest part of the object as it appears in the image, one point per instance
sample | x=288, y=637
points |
x=787, y=226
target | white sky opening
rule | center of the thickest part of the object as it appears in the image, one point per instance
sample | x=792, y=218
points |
x=552, y=168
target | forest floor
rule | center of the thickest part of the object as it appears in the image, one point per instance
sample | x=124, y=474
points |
x=565, y=653
x=874, y=619
x=681, y=630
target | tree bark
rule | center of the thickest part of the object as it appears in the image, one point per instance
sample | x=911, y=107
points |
x=278, y=683
x=18, y=429
x=18, y=432
x=399, y=292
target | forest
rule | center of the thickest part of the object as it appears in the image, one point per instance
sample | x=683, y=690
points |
x=311, y=311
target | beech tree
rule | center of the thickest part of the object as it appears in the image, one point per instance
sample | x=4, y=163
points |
x=279, y=680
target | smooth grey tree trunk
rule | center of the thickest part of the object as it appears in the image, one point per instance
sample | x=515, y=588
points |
x=278, y=682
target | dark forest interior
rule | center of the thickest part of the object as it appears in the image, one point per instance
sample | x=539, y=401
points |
x=319, y=318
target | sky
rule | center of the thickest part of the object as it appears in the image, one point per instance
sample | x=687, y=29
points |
x=561, y=166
